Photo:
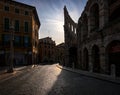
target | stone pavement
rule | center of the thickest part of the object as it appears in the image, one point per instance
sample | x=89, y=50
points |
x=18, y=68
x=4, y=75
x=51, y=80
x=92, y=74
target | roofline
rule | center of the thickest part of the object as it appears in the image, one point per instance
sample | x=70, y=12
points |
x=45, y=38
x=26, y=5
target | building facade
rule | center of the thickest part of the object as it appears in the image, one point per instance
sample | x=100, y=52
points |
x=22, y=21
x=60, y=53
x=98, y=37
x=47, y=49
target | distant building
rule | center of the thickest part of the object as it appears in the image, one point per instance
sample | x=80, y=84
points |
x=97, y=47
x=60, y=54
x=23, y=20
x=47, y=50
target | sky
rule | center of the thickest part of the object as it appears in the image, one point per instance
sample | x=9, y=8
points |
x=51, y=16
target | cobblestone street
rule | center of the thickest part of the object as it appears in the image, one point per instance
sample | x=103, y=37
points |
x=50, y=80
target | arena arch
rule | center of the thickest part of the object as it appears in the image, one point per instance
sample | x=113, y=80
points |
x=73, y=57
x=115, y=15
x=110, y=2
x=85, y=25
x=96, y=58
x=94, y=17
x=113, y=57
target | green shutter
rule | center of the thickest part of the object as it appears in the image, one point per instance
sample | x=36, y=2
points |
x=17, y=25
x=26, y=26
x=6, y=24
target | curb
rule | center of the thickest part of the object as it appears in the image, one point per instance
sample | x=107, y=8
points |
x=17, y=69
x=93, y=75
x=3, y=72
x=5, y=76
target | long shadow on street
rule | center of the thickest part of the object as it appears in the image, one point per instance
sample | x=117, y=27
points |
x=69, y=83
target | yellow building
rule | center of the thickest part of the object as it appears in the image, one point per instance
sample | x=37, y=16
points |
x=23, y=21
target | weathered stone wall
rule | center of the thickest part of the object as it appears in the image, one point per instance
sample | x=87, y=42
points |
x=89, y=34
x=70, y=36
x=97, y=37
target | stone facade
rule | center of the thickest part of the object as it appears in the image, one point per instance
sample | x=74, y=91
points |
x=98, y=37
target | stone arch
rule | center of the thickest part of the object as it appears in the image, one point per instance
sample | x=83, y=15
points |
x=110, y=2
x=85, y=25
x=94, y=16
x=113, y=57
x=69, y=25
x=96, y=58
x=85, y=59
x=115, y=14
x=73, y=57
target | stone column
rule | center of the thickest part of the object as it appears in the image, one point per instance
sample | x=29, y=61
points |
x=90, y=61
x=113, y=69
x=91, y=23
x=88, y=26
x=82, y=32
x=73, y=29
x=103, y=16
x=102, y=60
x=79, y=58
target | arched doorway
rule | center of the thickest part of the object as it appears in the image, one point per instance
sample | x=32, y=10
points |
x=73, y=57
x=96, y=59
x=94, y=17
x=113, y=56
x=85, y=59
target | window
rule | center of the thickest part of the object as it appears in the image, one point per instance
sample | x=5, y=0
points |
x=17, y=40
x=6, y=8
x=27, y=41
x=6, y=39
x=17, y=11
x=6, y=23
x=45, y=46
x=26, y=26
x=45, y=51
x=17, y=25
x=26, y=13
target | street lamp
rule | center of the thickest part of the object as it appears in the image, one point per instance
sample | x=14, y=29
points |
x=10, y=68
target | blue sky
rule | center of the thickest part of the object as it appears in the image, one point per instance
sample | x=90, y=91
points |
x=52, y=18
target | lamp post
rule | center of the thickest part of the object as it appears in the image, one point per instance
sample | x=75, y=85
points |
x=10, y=68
